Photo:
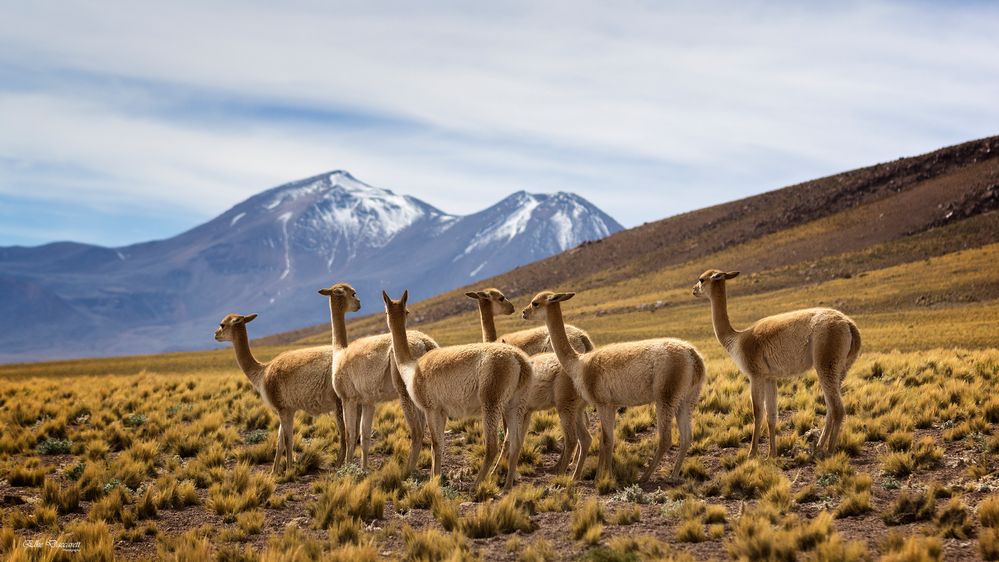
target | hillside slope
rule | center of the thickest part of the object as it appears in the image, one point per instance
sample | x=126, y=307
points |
x=817, y=220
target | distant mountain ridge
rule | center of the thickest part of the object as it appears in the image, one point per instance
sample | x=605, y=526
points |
x=268, y=255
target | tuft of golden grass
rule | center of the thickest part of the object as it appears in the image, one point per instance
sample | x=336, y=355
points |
x=767, y=536
x=342, y=498
x=913, y=549
x=988, y=512
x=240, y=490
x=587, y=522
x=627, y=515
x=954, y=520
x=432, y=545
x=29, y=474
x=64, y=500
x=507, y=515
x=174, y=494
x=856, y=497
x=539, y=550
x=690, y=531
x=751, y=479
x=988, y=543
x=911, y=506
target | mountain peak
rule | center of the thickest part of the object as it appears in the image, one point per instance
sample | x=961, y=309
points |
x=346, y=181
x=269, y=253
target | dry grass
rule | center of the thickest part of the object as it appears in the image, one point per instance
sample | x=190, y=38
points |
x=170, y=456
x=587, y=522
x=988, y=543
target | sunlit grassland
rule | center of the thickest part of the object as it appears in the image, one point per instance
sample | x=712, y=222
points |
x=169, y=455
x=122, y=462
x=946, y=301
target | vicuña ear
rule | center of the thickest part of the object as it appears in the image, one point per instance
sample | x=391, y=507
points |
x=386, y=298
x=405, y=297
x=717, y=276
x=472, y=295
x=249, y=318
x=339, y=291
x=325, y=292
x=731, y=275
x=559, y=297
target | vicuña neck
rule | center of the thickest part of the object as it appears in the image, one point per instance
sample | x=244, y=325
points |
x=560, y=341
x=719, y=316
x=339, y=327
x=252, y=368
x=400, y=343
x=488, y=324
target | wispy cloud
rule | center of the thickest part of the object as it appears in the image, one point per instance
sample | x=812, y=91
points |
x=118, y=112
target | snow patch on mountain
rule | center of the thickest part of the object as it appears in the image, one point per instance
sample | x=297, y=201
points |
x=563, y=230
x=508, y=227
x=283, y=219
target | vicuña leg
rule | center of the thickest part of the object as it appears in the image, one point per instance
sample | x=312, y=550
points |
x=521, y=418
x=665, y=410
x=607, y=412
x=835, y=412
x=288, y=424
x=342, y=430
x=490, y=423
x=280, y=449
x=416, y=422
x=436, y=420
x=683, y=416
x=757, y=390
x=584, y=440
x=770, y=398
x=566, y=419
x=367, y=415
x=351, y=415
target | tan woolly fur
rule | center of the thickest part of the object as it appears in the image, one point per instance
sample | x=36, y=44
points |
x=666, y=372
x=364, y=375
x=294, y=380
x=550, y=386
x=491, y=380
x=782, y=346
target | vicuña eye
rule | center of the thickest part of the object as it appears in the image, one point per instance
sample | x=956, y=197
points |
x=501, y=299
x=534, y=304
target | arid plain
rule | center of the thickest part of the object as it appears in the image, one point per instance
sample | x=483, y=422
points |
x=169, y=455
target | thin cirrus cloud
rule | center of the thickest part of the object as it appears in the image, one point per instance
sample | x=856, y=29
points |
x=120, y=124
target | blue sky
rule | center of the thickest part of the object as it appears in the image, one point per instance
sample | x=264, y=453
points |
x=122, y=122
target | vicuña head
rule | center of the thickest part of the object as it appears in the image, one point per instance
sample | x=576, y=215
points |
x=397, y=308
x=231, y=321
x=494, y=299
x=541, y=302
x=712, y=278
x=343, y=297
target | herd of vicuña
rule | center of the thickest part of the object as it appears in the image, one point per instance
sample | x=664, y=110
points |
x=507, y=378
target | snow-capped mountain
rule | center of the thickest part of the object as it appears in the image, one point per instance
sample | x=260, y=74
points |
x=268, y=255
